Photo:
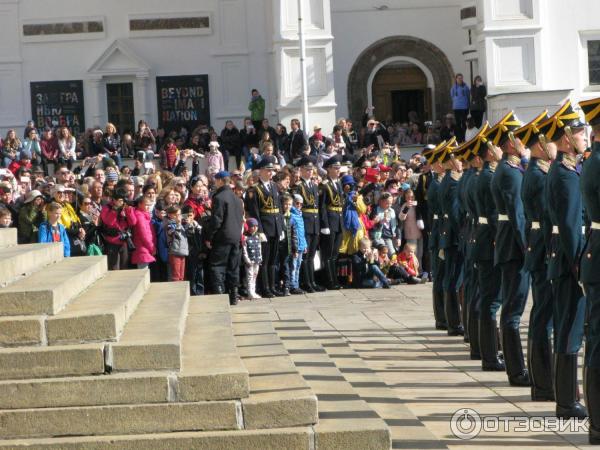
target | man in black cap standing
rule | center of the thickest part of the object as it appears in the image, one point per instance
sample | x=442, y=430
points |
x=263, y=203
x=566, y=214
x=331, y=200
x=309, y=191
x=224, y=235
x=590, y=275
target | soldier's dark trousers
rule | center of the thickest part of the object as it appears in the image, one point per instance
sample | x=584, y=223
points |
x=569, y=310
x=270, y=250
x=224, y=263
x=437, y=269
x=515, y=288
x=330, y=248
x=539, y=354
x=308, y=260
x=489, y=292
x=592, y=360
x=474, y=305
x=451, y=274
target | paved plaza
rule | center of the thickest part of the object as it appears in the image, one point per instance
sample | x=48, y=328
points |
x=378, y=350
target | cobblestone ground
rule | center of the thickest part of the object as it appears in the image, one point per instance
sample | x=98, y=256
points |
x=380, y=346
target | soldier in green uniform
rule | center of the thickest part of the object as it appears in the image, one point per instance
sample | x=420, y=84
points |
x=449, y=232
x=471, y=279
x=565, y=208
x=464, y=218
x=590, y=272
x=509, y=253
x=483, y=255
x=434, y=210
x=538, y=234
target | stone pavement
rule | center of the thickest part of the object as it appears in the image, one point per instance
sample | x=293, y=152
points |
x=380, y=347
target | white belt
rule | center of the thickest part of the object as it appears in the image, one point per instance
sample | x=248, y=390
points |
x=435, y=217
x=483, y=220
x=445, y=216
x=535, y=225
x=555, y=229
x=595, y=225
x=502, y=218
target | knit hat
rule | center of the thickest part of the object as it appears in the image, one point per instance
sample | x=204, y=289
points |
x=112, y=176
x=252, y=222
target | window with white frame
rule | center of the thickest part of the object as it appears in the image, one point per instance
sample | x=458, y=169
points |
x=593, y=47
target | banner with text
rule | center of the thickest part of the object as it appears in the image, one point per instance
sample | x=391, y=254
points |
x=182, y=101
x=58, y=103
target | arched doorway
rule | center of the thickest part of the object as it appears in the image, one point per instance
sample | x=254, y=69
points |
x=392, y=60
x=397, y=87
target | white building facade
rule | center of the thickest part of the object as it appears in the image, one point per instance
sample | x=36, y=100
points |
x=184, y=61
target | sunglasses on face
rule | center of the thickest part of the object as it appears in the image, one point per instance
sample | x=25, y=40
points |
x=87, y=203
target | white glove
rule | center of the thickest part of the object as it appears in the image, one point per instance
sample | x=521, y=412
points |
x=420, y=224
x=441, y=254
x=282, y=236
x=262, y=237
x=325, y=231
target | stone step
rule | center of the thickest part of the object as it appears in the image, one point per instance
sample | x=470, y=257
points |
x=279, y=396
x=278, y=439
x=407, y=430
x=109, y=389
x=49, y=362
x=119, y=419
x=8, y=237
x=48, y=291
x=211, y=365
x=21, y=331
x=345, y=419
x=20, y=260
x=100, y=312
x=152, y=338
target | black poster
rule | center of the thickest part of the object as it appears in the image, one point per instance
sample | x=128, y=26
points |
x=58, y=103
x=182, y=101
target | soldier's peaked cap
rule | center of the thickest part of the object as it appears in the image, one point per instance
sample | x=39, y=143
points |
x=591, y=109
x=529, y=134
x=554, y=128
x=500, y=132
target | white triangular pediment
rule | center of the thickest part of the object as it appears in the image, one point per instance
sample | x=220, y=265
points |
x=119, y=59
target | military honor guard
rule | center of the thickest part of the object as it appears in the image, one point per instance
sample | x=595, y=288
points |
x=538, y=235
x=449, y=237
x=590, y=270
x=309, y=191
x=263, y=203
x=331, y=200
x=565, y=208
x=471, y=279
x=464, y=218
x=509, y=252
x=435, y=212
x=484, y=237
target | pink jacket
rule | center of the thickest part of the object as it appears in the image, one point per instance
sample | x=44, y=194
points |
x=144, y=238
x=113, y=224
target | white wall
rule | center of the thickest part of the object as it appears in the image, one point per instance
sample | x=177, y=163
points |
x=234, y=55
x=358, y=24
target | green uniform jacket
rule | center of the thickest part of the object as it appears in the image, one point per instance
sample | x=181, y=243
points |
x=590, y=188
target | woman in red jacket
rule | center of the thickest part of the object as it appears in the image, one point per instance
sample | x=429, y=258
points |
x=117, y=219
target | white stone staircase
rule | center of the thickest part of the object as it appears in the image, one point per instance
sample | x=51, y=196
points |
x=91, y=359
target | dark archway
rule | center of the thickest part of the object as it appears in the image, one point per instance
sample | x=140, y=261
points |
x=393, y=46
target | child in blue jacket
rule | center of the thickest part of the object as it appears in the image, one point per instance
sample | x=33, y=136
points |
x=52, y=231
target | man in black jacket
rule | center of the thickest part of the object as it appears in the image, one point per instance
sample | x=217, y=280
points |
x=224, y=236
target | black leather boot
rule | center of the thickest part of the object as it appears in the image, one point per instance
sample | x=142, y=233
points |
x=513, y=357
x=233, y=296
x=488, y=347
x=305, y=277
x=473, y=326
x=592, y=400
x=438, y=310
x=273, y=285
x=311, y=277
x=567, y=403
x=464, y=310
x=264, y=278
x=452, y=311
x=331, y=276
x=539, y=360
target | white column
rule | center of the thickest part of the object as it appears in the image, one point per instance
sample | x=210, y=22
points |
x=97, y=104
x=142, y=112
